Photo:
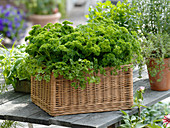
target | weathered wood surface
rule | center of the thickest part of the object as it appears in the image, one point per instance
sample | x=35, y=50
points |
x=18, y=106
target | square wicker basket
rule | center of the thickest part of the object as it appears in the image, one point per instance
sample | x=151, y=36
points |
x=58, y=97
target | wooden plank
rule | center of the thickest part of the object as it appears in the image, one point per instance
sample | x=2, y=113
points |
x=19, y=109
x=67, y=120
x=84, y=120
x=98, y=120
x=87, y=120
x=102, y=120
x=8, y=96
x=22, y=109
x=18, y=106
x=151, y=97
x=39, y=117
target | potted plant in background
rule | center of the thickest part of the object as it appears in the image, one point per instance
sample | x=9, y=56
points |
x=154, y=16
x=157, y=54
x=80, y=57
x=154, y=23
x=41, y=11
x=123, y=14
x=12, y=23
x=13, y=63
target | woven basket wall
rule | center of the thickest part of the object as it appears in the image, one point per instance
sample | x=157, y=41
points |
x=58, y=97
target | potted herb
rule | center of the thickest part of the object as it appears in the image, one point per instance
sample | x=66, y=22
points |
x=154, y=26
x=41, y=11
x=13, y=64
x=12, y=23
x=51, y=45
x=157, y=54
x=80, y=57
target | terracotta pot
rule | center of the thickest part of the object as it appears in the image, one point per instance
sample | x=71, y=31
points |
x=44, y=19
x=164, y=84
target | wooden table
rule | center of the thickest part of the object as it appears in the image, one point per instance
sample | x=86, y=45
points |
x=18, y=107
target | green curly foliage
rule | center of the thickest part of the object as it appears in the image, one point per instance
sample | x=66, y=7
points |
x=77, y=54
x=110, y=44
x=122, y=14
x=78, y=69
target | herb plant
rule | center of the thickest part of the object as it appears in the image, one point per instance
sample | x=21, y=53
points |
x=155, y=114
x=154, y=16
x=39, y=7
x=150, y=117
x=123, y=14
x=154, y=24
x=157, y=47
x=13, y=64
x=135, y=121
x=12, y=23
x=10, y=124
x=78, y=53
x=2, y=86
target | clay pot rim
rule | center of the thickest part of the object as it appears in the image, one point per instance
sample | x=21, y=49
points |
x=58, y=14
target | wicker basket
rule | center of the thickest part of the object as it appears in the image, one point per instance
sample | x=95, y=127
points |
x=58, y=97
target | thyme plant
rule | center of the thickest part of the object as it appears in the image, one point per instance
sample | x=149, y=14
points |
x=154, y=24
x=154, y=16
x=156, y=48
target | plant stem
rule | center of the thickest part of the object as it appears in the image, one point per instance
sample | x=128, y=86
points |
x=139, y=111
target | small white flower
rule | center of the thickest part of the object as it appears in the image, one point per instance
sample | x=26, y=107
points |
x=141, y=88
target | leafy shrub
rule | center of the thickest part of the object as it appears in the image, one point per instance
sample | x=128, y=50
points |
x=155, y=16
x=13, y=63
x=122, y=14
x=74, y=53
x=156, y=112
x=149, y=117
